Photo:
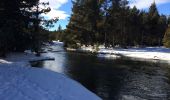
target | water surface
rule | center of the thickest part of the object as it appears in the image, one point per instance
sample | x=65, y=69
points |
x=113, y=79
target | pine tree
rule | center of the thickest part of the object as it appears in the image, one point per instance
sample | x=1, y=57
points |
x=134, y=27
x=14, y=21
x=166, y=40
x=103, y=25
x=92, y=9
x=144, y=28
x=20, y=23
x=168, y=21
x=59, y=33
x=83, y=23
x=118, y=22
x=111, y=22
x=153, y=24
x=74, y=31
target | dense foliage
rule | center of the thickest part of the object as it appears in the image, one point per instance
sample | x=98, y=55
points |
x=57, y=34
x=114, y=23
x=21, y=25
x=166, y=39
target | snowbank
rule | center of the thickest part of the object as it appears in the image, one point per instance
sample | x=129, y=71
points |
x=110, y=56
x=25, y=57
x=58, y=43
x=18, y=81
x=87, y=49
x=148, y=53
x=152, y=53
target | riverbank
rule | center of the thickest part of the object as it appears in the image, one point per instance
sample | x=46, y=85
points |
x=19, y=81
x=147, y=53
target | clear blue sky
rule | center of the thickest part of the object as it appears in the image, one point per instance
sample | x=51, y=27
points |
x=163, y=7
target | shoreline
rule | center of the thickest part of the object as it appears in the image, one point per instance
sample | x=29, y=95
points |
x=147, y=53
x=16, y=68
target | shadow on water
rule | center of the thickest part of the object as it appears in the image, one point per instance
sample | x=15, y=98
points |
x=119, y=79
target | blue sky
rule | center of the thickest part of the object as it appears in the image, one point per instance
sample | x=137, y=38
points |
x=67, y=8
x=62, y=9
x=164, y=9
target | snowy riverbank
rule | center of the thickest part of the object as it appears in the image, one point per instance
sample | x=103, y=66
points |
x=150, y=53
x=19, y=81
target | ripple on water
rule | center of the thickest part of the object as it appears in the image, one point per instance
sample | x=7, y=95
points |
x=141, y=86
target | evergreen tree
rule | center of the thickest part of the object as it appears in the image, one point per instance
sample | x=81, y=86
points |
x=166, y=40
x=153, y=24
x=144, y=28
x=134, y=27
x=103, y=25
x=74, y=31
x=20, y=25
x=118, y=22
x=83, y=22
x=57, y=35
x=92, y=10
x=168, y=21
x=14, y=21
x=113, y=22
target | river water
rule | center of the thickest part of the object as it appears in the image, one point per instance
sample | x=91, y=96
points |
x=113, y=79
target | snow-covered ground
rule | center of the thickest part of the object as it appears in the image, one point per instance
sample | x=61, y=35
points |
x=25, y=57
x=58, y=43
x=19, y=81
x=150, y=53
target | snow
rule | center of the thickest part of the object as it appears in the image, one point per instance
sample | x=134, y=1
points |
x=148, y=53
x=58, y=43
x=111, y=56
x=19, y=81
x=153, y=53
x=87, y=49
x=25, y=57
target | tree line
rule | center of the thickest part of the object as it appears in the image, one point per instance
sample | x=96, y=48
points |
x=114, y=23
x=22, y=26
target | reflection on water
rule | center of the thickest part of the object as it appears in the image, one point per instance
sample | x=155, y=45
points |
x=119, y=79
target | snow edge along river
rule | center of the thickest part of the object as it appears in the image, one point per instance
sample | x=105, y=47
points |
x=147, y=53
x=19, y=81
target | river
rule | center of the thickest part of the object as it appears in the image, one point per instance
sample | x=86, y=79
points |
x=113, y=79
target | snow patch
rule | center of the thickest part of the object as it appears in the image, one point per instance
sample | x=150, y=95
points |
x=152, y=53
x=148, y=53
x=19, y=81
x=26, y=83
x=58, y=43
x=25, y=57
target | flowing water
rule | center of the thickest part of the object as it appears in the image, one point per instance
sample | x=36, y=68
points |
x=113, y=79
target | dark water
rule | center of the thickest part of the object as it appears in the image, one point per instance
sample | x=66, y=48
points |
x=114, y=79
